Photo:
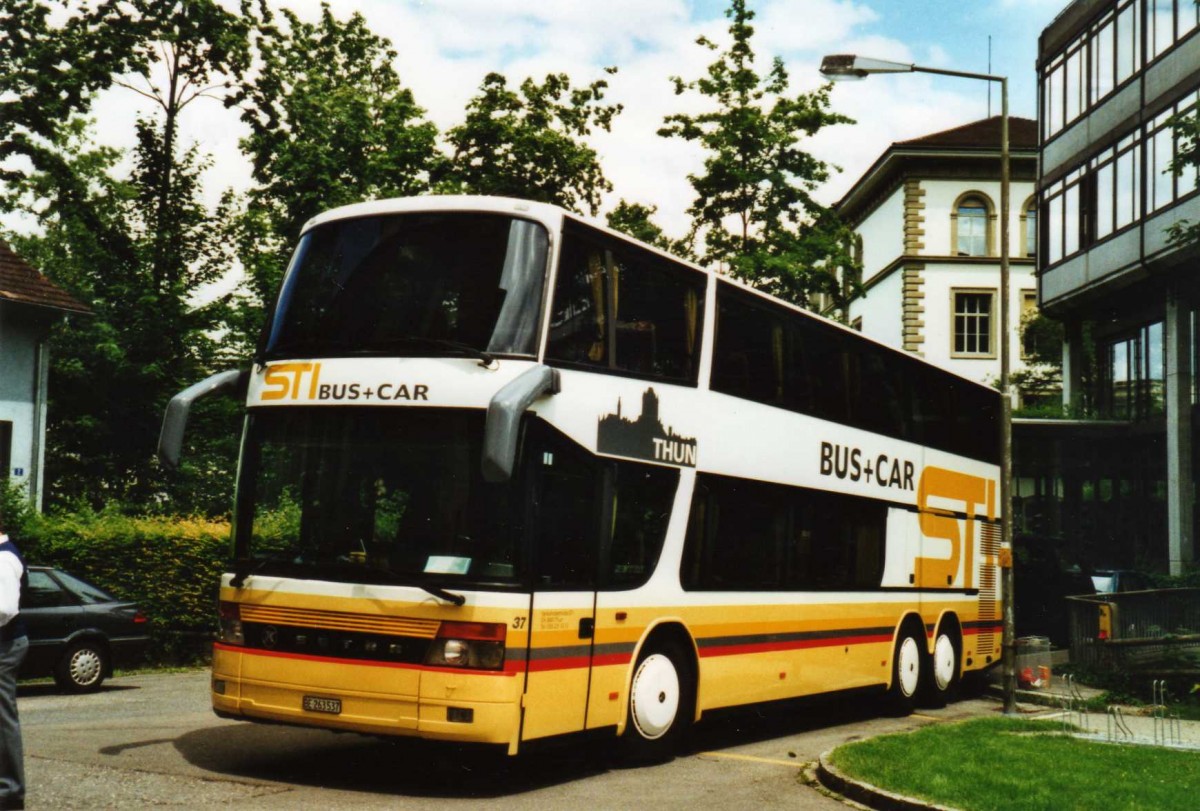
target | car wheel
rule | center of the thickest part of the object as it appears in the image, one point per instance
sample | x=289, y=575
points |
x=662, y=700
x=82, y=667
x=907, y=660
x=941, y=679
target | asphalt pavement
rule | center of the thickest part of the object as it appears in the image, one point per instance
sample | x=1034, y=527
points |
x=152, y=741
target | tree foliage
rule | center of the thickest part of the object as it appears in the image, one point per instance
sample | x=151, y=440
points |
x=754, y=207
x=52, y=61
x=138, y=249
x=530, y=142
x=1186, y=161
x=330, y=124
x=637, y=220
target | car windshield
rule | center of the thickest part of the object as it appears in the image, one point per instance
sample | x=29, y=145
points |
x=374, y=495
x=413, y=284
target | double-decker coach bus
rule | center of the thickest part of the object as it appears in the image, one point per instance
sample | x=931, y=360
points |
x=506, y=476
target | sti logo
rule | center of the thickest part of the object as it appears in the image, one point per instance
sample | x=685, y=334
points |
x=958, y=528
x=285, y=381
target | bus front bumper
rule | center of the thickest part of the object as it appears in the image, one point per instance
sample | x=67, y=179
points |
x=371, y=698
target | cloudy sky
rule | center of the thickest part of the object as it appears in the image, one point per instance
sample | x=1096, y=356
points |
x=445, y=47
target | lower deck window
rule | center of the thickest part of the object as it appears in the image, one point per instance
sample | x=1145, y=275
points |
x=754, y=536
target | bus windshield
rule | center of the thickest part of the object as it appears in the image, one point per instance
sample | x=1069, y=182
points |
x=412, y=284
x=374, y=496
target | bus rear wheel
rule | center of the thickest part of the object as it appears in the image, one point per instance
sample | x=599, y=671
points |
x=907, y=660
x=662, y=696
x=941, y=679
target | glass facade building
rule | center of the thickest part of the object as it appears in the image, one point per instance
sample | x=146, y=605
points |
x=1114, y=77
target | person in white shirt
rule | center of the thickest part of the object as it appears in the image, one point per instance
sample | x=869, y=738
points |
x=13, y=646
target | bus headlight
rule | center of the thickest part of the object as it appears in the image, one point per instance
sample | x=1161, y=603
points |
x=477, y=645
x=230, y=624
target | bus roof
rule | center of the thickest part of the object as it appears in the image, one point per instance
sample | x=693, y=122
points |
x=552, y=217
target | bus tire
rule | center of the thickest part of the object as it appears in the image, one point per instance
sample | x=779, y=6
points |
x=907, y=664
x=661, y=703
x=945, y=666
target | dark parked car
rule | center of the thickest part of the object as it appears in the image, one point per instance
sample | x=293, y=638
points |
x=77, y=632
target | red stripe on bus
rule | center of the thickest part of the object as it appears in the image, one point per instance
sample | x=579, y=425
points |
x=765, y=647
x=511, y=668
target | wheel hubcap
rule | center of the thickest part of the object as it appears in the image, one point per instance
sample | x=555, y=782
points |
x=654, y=697
x=944, y=663
x=85, y=667
x=908, y=666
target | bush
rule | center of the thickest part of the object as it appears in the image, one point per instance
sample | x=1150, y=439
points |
x=171, y=566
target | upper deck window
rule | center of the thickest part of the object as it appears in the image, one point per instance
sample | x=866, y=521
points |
x=626, y=309
x=429, y=284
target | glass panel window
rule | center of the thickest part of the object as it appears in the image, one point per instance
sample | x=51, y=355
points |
x=1055, y=227
x=1187, y=15
x=1054, y=99
x=1104, y=200
x=1134, y=385
x=1071, y=220
x=972, y=227
x=1029, y=310
x=1074, y=85
x=973, y=323
x=1126, y=189
x=85, y=591
x=753, y=536
x=1162, y=178
x=1160, y=17
x=1031, y=230
x=643, y=496
x=1103, y=65
x=413, y=284
x=1128, y=42
x=43, y=592
x=375, y=496
x=620, y=307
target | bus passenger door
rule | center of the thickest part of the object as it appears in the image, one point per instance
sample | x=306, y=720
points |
x=565, y=525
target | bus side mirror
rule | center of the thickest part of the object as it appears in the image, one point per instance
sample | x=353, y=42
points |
x=504, y=419
x=170, y=440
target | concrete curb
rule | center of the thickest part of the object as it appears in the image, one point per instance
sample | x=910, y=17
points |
x=866, y=794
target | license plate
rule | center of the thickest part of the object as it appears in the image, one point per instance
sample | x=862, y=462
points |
x=318, y=704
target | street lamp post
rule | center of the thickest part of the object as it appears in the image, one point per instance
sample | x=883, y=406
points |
x=850, y=66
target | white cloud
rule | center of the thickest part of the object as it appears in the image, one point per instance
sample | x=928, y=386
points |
x=445, y=48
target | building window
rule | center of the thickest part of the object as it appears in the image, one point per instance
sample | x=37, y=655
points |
x=970, y=230
x=1133, y=374
x=973, y=323
x=1029, y=311
x=1029, y=227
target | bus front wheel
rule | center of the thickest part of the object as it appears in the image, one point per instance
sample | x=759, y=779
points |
x=662, y=695
x=906, y=673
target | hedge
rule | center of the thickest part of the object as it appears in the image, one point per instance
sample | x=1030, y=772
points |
x=170, y=566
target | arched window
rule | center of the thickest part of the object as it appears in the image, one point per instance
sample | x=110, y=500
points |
x=972, y=214
x=1029, y=227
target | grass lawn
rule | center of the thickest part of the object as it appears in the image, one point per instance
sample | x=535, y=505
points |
x=994, y=764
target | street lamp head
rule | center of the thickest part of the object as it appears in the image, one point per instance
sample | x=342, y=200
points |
x=849, y=66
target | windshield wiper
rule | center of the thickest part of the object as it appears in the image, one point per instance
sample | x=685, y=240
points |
x=404, y=580
x=486, y=359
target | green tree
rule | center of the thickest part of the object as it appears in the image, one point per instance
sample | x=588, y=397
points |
x=530, y=143
x=112, y=372
x=754, y=208
x=637, y=220
x=139, y=249
x=330, y=124
x=1187, y=161
x=53, y=59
